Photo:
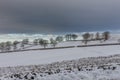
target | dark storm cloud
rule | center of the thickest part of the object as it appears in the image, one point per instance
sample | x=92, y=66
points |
x=58, y=15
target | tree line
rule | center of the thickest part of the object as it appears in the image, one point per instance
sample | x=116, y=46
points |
x=15, y=45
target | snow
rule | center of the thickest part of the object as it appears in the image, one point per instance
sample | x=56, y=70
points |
x=86, y=75
x=31, y=37
x=49, y=56
x=20, y=37
x=18, y=61
x=113, y=39
x=92, y=68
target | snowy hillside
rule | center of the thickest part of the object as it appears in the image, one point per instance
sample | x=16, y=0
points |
x=75, y=63
x=31, y=37
x=92, y=68
x=19, y=37
x=49, y=56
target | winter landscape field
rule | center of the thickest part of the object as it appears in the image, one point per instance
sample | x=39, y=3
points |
x=94, y=57
x=59, y=39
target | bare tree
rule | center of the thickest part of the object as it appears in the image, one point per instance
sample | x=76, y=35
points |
x=74, y=36
x=97, y=36
x=25, y=41
x=53, y=42
x=59, y=38
x=15, y=45
x=106, y=35
x=86, y=36
x=68, y=37
x=43, y=43
x=35, y=42
x=8, y=45
x=2, y=46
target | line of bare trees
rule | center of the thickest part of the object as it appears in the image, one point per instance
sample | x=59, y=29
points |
x=70, y=37
x=8, y=46
x=98, y=36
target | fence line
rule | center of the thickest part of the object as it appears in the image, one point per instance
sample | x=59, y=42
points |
x=110, y=44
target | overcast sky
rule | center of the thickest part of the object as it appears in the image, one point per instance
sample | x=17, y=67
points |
x=46, y=16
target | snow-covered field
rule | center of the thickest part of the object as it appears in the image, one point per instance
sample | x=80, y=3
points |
x=25, y=62
x=49, y=56
x=92, y=68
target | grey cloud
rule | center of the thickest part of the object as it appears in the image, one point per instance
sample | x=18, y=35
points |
x=58, y=15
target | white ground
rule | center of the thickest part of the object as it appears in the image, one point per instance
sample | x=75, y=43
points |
x=86, y=75
x=49, y=56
